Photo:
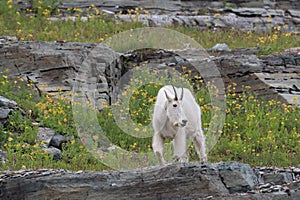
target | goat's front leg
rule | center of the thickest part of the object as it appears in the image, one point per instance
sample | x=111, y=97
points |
x=158, y=147
x=200, y=147
x=180, y=147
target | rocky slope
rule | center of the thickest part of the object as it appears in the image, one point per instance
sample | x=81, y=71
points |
x=54, y=66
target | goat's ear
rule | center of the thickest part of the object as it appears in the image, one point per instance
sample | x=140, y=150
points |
x=169, y=99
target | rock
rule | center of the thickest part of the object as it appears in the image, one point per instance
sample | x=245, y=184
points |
x=8, y=39
x=294, y=13
x=57, y=140
x=273, y=76
x=295, y=50
x=173, y=181
x=199, y=14
x=55, y=152
x=6, y=103
x=45, y=135
x=237, y=178
x=280, y=178
x=4, y=113
x=169, y=6
x=243, y=19
x=296, y=170
x=220, y=47
x=267, y=185
x=2, y=156
x=294, y=185
x=55, y=66
x=6, y=107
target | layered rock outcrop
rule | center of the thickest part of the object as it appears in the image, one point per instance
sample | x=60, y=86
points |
x=53, y=67
x=171, y=5
x=229, y=180
x=231, y=14
x=243, y=19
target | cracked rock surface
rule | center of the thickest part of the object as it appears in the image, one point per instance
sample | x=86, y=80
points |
x=225, y=180
x=53, y=67
x=238, y=14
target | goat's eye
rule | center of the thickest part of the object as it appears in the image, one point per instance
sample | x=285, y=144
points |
x=174, y=105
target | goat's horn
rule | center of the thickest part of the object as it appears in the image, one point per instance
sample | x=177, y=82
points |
x=176, y=98
x=169, y=99
x=181, y=96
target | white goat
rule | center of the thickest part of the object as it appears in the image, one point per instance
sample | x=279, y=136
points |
x=178, y=119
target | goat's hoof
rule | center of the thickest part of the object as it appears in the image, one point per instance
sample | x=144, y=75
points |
x=163, y=163
x=176, y=159
x=204, y=162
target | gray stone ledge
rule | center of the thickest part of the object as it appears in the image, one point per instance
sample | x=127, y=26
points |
x=226, y=180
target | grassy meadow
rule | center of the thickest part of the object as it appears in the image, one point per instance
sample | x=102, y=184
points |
x=256, y=131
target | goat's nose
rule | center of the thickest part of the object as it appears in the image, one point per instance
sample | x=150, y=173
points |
x=184, y=121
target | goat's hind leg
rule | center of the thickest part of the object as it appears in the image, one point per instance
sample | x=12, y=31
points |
x=158, y=147
x=200, y=147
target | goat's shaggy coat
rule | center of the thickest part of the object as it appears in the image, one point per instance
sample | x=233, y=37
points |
x=178, y=118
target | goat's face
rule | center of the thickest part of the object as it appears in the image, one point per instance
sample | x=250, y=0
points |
x=174, y=110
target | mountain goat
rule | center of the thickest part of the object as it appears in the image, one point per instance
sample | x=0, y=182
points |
x=178, y=119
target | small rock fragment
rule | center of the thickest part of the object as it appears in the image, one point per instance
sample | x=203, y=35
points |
x=57, y=141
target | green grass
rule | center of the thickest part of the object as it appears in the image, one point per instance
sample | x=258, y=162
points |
x=256, y=131
x=273, y=42
x=259, y=132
